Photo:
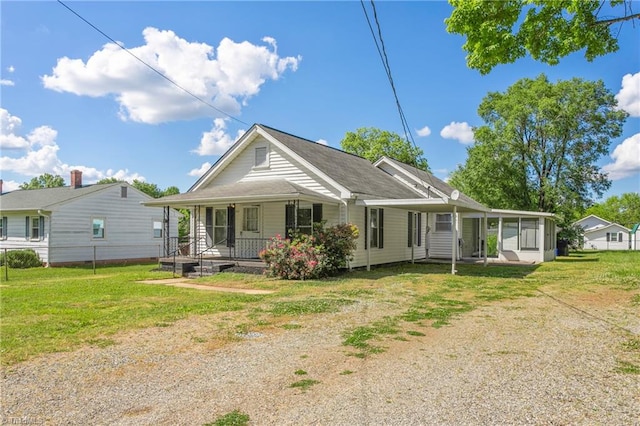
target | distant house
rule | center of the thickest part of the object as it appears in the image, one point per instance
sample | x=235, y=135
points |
x=270, y=182
x=600, y=234
x=72, y=224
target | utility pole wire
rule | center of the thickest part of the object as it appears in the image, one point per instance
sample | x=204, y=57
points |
x=152, y=68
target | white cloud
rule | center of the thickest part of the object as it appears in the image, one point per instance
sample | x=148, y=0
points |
x=424, y=132
x=629, y=95
x=461, y=132
x=38, y=153
x=322, y=142
x=626, y=159
x=4, y=82
x=201, y=170
x=11, y=68
x=217, y=141
x=10, y=185
x=225, y=77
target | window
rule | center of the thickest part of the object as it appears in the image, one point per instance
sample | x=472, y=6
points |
x=220, y=226
x=157, y=229
x=98, y=227
x=614, y=237
x=250, y=219
x=443, y=222
x=304, y=220
x=529, y=234
x=123, y=192
x=414, y=229
x=3, y=228
x=510, y=234
x=261, y=157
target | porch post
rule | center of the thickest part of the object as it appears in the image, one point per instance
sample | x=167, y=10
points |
x=499, y=243
x=454, y=239
x=368, y=242
x=484, y=240
x=541, y=233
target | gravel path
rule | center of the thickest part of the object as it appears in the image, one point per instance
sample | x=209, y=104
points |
x=527, y=361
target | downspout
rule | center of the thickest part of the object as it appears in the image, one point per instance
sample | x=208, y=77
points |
x=484, y=240
x=41, y=213
x=454, y=239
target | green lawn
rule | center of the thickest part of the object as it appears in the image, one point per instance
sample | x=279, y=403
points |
x=61, y=309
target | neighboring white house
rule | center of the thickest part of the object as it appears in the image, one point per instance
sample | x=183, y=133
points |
x=70, y=224
x=600, y=234
x=270, y=181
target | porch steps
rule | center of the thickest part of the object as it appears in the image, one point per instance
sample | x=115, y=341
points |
x=209, y=268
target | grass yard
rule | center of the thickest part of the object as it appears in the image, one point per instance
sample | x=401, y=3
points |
x=61, y=309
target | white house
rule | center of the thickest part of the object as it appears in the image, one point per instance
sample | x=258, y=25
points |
x=73, y=224
x=270, y=181
x=600, y=234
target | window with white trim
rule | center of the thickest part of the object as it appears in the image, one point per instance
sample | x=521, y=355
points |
x=529, y=234
x=261, y=159
x=304, y=220
x=250, y=219
x=374, y=228
x=510, y=234
x=443, y=222
x=220, y=226
x=3, y=228
x=98, y=225
x=157, y=229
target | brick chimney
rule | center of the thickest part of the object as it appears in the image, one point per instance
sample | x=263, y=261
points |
x=76, y=179
x=1, y=186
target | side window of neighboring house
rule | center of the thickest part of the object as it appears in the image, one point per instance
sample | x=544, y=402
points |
x=34, y=228
x=157, y=228
x=614, y=237
x=98, y=227
x=123, y=192
x=261, y=159
x=443, y=222
x=3, y=228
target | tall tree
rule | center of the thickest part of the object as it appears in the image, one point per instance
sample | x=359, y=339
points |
x=372, y=143
x=499, y=32
x=108, y=180
x=45, y=180
x=540, y=144
x=624, y=209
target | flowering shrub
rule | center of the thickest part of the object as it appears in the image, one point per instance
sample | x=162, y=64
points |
x=310, y=256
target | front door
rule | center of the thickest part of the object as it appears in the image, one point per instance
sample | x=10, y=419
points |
x=250, y=242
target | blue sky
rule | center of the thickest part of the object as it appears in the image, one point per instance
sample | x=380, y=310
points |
x=71, y=99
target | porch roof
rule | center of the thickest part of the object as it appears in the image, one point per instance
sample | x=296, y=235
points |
x=239, y=192
x=433, y=205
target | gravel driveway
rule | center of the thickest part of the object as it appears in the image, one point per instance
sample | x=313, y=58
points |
x=532, y=360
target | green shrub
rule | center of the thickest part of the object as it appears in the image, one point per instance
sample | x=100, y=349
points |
x=310, y=256
x=21, y=259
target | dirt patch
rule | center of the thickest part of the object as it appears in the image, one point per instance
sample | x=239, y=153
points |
x=180, y=282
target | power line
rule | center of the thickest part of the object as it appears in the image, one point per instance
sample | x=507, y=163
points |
x=382, y=52
x=193, y=95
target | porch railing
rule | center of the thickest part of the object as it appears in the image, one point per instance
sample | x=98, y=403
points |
x=248, y=248
x=244, y=248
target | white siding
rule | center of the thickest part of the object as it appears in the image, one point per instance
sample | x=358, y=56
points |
x=591, y=222
x=16, y=235
x=281, y=166
x=597, y=239
x=68, y=228
x=395, y=247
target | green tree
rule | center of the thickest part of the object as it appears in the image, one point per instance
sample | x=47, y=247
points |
x=109, y=180
x=45, y=180
x=372, y=143
x=624, y=209
x=499, y=32
x=539, y=146
x=151, y=189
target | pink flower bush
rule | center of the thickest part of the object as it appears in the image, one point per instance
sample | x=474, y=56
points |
x=310, y=256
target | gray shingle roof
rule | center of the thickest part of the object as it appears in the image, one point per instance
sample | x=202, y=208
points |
x=45, y=198
x=430, y=180
x=239, y=190
x=355, y=173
